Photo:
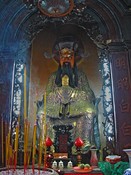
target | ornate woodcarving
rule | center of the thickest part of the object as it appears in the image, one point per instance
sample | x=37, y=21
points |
x=107, y=96
x=78, y=16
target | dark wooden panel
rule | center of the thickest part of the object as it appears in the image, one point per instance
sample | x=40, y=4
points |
x=122, y=99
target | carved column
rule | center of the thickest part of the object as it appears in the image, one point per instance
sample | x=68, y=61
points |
x=121, y=85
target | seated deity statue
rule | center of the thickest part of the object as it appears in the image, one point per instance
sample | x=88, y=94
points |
x=69, y=99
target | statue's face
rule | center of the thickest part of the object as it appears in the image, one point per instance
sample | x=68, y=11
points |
x=67, y=57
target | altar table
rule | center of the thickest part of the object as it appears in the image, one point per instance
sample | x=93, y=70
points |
x=83, y=173
x=67, y=172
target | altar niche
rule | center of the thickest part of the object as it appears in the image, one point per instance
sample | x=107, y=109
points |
x=63, y=140
x=40, y=78
x=69, y=97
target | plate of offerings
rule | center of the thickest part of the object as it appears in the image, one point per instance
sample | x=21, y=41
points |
x=83, y=168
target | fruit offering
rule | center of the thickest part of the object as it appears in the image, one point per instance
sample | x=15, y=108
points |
x=84, y=166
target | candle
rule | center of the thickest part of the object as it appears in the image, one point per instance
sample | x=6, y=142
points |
x=25, y=101
x=6, y=150
x=16, y=145
x=16, y=137
x=34, y=141
x=10, y=155
x=26, y=135
x=40, y=152
x=45, y=129
x=27, y=138
x=25, y=144
x=34, y=137
x=8, y=147
x=34, y=147
x=18, y=119
x=2, y=140
x=45, y=104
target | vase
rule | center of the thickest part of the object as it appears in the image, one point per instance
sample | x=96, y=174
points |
x=94, y=159
x=128, y=171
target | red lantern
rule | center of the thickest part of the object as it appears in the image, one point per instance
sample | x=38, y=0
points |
x=79, y=142
x=48, y=142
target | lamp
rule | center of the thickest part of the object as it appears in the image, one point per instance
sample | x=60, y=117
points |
x=49, y=156
x=49, y=142
x=79, y=143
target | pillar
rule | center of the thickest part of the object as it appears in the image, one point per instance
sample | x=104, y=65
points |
x=119, y=55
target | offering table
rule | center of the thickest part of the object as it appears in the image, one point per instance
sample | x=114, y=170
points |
x=75, y=173
x=72, y=172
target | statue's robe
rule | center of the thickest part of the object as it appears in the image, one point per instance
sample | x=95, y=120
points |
x=67, y=105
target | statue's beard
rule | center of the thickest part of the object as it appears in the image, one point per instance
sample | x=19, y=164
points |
x=66, y=69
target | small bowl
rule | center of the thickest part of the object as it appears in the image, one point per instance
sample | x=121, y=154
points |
x=113, y=159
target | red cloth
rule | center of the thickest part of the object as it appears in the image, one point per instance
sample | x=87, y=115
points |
x=83, y=174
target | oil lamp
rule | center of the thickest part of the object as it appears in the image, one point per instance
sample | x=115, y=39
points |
x=49, y=142
x=79, y=143
x=49, y=156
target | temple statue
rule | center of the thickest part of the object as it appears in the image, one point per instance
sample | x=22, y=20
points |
x=70, y=99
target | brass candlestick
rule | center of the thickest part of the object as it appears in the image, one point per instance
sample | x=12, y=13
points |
x=79, y=157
